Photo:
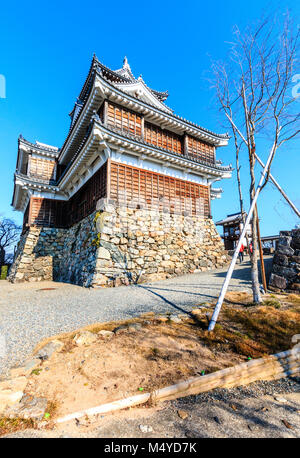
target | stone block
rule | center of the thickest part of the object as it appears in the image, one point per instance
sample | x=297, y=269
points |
x=295, y=242
x=29, y=407
x=286, y=272
x=280, y=259
x=284, y=240
x=85, y=338
x=288, y=251
x=11, y=391
x=51, y=347
x=103, y=253
x=277, y=281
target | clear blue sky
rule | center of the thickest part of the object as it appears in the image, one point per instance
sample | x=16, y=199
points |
x=45, y=54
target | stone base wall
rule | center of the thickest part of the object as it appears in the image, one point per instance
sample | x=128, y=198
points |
x=286, y=262
x=116, y=246
x=37, y=254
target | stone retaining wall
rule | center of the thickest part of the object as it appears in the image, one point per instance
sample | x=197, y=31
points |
x=116, y=246
x=286, y=262
x=38, y=250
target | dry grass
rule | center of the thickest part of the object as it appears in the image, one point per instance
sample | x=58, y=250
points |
x=269, y=328
x=293, y=299
x=52, y=407
x=254, y=330
x=11, y=425
x=238, y=298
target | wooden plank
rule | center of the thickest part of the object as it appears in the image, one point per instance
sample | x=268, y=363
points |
x=152, y=186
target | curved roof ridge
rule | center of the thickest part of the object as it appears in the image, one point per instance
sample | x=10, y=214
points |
x=39, y=145
x=126, y=74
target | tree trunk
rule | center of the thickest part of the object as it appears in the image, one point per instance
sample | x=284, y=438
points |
x=254, y=258
x=238, y=176
x=254, y=266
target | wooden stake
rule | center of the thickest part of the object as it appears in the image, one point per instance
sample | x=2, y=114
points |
x=261, y=255
x=284, y=364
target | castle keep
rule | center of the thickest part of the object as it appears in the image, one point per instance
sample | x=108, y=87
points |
x=126, y=198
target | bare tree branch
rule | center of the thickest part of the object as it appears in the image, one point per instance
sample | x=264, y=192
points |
x=253, y=88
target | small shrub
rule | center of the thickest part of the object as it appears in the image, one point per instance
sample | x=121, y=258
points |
x=35, y=372
x=4, y=270
x=272, y=303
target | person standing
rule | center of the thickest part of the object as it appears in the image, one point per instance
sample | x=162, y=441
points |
x=241, y=253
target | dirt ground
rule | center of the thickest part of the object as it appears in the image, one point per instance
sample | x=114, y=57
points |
x=259, y=410
x=147, y=353
x=133, y=361
x=154, y=351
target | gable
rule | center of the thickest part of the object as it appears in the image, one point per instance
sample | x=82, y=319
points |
x=139, y=90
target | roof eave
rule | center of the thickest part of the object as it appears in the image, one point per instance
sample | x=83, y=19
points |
x=216, y=139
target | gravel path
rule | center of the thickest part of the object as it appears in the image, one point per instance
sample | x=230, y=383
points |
x=29, y=314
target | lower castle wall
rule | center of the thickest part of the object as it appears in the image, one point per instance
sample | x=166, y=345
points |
x=119, y=245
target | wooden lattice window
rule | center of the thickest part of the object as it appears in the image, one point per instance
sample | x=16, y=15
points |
x=134, y=186
x=162, y=138
x=55, y=213
x=200, y=150
x=124, y=120
x=84, y=201
x=42, y=212
x=42, y=168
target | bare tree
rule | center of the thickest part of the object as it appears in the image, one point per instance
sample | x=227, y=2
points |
x=238, y=145
x=9, y=234
x=254, y=91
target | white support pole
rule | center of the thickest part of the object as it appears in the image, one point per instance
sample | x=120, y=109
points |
x=262, y=164
x=237, y=249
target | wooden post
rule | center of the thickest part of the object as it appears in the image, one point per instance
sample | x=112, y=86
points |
x=108, y=177
x=30, y=211
x=185, y=145
x=261, y=255
x=105, y=109
x=209, y=201
x=143, y=127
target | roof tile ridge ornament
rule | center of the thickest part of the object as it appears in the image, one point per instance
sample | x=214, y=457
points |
x=126, y=71
x=126, y=65
x=95, y=60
